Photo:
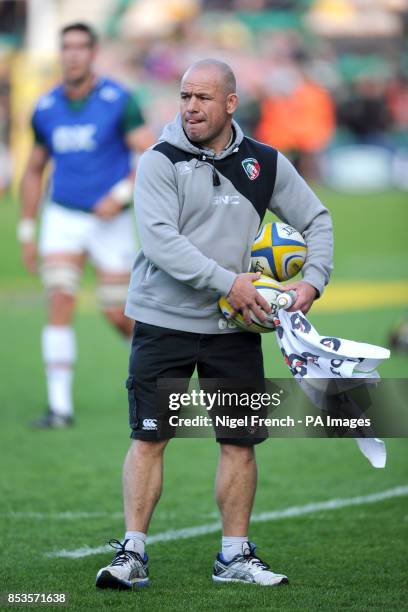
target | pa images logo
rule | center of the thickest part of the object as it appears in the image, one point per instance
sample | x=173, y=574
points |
x=251, y=167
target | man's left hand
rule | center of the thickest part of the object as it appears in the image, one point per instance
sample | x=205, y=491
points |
x=107, y=207
x=305, y=295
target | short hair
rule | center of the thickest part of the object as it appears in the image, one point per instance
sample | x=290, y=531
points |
x=81, y=27
x=229, y=81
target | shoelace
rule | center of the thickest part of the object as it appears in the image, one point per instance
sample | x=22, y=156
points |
x=251, y=558
x=123, y=555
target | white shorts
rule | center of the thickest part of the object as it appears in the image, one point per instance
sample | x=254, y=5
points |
x=110, y=244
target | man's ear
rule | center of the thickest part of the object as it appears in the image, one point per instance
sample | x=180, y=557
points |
x=231, y=103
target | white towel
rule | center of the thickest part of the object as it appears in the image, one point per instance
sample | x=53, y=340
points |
x=311, y=356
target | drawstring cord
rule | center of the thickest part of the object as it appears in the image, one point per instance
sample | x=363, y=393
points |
x=215, y=176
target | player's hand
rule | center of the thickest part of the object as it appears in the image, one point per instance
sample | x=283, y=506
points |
x=305, y=295
x=107, y=207
x=29, y=256
x=244, y=297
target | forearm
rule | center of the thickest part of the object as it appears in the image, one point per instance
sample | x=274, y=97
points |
x=184, y=262
x=318, y=265
x=122, y=191
x=31, y=193
x=295, y=203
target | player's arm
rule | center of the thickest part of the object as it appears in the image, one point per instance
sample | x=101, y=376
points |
x=138, y=140
x=116, y=199
x=137, y=133
x=138, y=137
x=296, y=204
x=31, y=192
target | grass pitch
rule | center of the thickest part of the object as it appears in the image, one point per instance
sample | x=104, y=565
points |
x=61, y=490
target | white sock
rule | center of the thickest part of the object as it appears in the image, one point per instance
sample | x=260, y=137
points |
x=232, y=545
x=59, y=353
x=136, y=541
x=59, y=384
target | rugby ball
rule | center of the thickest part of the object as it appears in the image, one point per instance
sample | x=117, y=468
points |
x=278, y=251
x=276, y=297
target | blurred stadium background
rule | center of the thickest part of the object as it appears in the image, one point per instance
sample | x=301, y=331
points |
x=325, y=81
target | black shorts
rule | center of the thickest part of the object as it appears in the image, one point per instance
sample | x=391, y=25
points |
x=159, y=352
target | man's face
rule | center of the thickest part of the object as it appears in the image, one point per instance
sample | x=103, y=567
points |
x=205, y=106
x=77, y=55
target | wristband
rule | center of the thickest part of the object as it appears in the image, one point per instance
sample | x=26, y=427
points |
x=26, y=230
x=122, y=191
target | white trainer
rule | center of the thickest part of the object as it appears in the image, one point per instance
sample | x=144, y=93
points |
x=246, y=567
x=127, y=570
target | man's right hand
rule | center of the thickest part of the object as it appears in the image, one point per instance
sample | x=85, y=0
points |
x=107, y=207
x=244, y=297
x=29, y=256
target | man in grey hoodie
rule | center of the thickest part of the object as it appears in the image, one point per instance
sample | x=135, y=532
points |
x=201, y=194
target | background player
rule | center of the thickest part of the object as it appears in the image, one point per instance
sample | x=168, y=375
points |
x=88, y=126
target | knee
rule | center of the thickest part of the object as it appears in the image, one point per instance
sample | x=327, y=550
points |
x=58, y=298
x=60, y=277
x=112, y=295
x=61, y=307
x=144, y=448
x=242, y=454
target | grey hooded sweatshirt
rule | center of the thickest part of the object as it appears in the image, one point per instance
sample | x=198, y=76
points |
x=197, y=216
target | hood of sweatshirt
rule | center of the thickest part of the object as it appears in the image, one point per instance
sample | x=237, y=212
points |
x=174, y=134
